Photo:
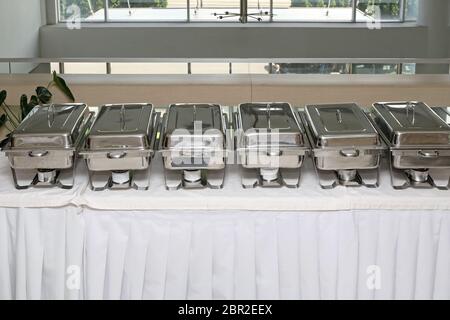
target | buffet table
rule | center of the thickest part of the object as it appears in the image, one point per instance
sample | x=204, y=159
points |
x=233, y=243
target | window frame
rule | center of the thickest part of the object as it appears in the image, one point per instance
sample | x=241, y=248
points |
x=402, y=16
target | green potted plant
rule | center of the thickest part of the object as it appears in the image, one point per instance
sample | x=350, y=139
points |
x=11, y=119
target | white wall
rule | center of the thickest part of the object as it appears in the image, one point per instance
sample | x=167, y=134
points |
x=20, y=21
x=181, y=40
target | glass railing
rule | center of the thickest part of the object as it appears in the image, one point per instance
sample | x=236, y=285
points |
x=125, y=66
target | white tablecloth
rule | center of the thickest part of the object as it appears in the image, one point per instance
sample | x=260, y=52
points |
x=232, y=243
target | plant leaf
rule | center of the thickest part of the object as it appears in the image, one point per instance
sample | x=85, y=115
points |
x=23, y=105
x=2, y=96
x=34, y=101
x=44, y=95
x=3, y=119
x=62, y=86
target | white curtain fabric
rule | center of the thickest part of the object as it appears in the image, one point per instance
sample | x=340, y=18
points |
x=74, y=253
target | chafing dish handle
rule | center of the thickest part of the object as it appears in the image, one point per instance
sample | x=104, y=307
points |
x=116, y=155
x=349, y=153
x=274, y=153
x=5, y=141
x=38, y=153
x=428, y=154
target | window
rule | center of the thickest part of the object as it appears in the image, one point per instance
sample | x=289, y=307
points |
x=85, y=68
x=210, y=68
x=214, y=10
x=378, y=10
x=310, y=68
x=148, y=68
x=373, y=68
x=313, y=10
x=147, y=10
x=231, y=11
x=411, y=10
x=82, y=10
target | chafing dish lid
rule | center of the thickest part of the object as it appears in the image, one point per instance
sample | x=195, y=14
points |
x=340, y=125
x=275, y=121
x=194, y=125
x=443, y=113
x=184, y=116
x=407, y=124
x=122, y=126
x=54, y=126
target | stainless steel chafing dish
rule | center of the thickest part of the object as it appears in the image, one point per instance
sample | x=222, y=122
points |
x=42, y=151
x=193, y=146
x=346, y=146
x=419, y=144
x=120, y=146
x=270, y=144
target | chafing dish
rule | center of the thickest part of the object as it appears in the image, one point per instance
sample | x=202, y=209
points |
x=42, y=151
x=270, y=144
x=419, y=144
x=120, y=145
x=193, y=146
x=346, y=146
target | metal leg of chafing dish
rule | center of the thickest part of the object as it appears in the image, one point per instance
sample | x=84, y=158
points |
x=370, y=178
x=66, y=178
x=23, y=179
x=140, y=179
x=399, y=179
x=249, y=178
x=99, y=180
x=215, y=178
x=290, y=177
x=174, y=179
x=327, y=179
x=440, y=178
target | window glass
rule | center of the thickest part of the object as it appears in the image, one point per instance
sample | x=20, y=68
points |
x=214, y=10
x=411, y=10
x=147, y=10
x=312, y=10
x=310, y=68
x=54, y=66
x=85, y=68
x=250, y=68
x=149, y=68
x=75, y=11
x=378, y=10
x=228, y=10
x=373, y=68
x=258, y=10
x=408, y=68
x=210, y=68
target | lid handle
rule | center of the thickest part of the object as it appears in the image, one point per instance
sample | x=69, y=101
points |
x=428, y=154
x=274, y=153
x=411, y=112
x=51, y=115
x=349, y=153
x=116, y=155
x=339, y=116
x=38, y=153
